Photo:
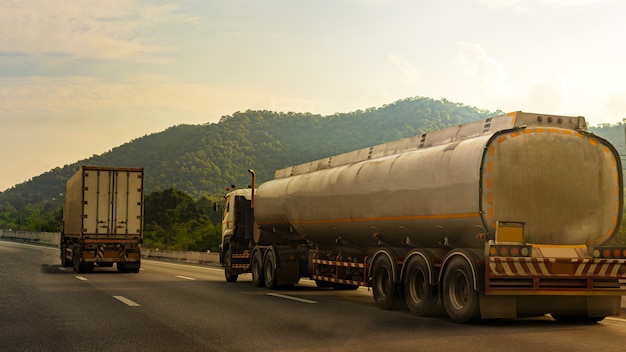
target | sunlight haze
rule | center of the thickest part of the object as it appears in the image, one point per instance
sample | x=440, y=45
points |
x=79, y=78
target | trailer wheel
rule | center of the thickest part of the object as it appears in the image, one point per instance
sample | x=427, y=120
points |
x=385, y=291
x=257, y=270
x=460, y=300
x=78, y=268
x=228, y=268
x=420, y=295
x=269, y=265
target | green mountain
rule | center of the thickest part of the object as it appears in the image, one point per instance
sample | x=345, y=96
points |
x=204, y=159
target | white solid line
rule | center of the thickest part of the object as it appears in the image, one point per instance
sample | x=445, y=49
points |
x=127, y=301
x=185, y=277
x=81, y=278
x=291, y=298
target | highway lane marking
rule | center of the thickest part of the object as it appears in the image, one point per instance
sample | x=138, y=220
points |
x=81, y=278
x=615, y=318
x=127, y=301
x=185, y=277
x=183, y=265
x=291, y=298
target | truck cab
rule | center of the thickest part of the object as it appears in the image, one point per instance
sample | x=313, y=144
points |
x=237, y=233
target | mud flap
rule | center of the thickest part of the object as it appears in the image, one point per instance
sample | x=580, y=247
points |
x=601, y=306
x=492, y=307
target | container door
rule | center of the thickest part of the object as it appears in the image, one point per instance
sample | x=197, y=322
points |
x=97, y=194
x=127, y=207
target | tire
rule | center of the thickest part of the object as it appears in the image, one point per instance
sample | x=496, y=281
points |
x=420, y=295
x=132, y=267
x=269, y=264
x=121, y=267
x=258, y=279
x=76, y=261
x=228, y=269
x=460, y=300
x=385, y=290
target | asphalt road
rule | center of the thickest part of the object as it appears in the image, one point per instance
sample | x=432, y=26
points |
x=174, y=307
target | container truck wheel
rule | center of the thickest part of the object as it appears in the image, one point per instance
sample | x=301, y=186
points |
x=77, y=265
x=460, y=300
x=269, y=264
x=385, y=291
x=228, y=267
x=420, y=295
x=257, y=269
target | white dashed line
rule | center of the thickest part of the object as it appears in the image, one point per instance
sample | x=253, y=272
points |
x=292, y=298
x=185, y=277
x=127, y=301
x=81, y=278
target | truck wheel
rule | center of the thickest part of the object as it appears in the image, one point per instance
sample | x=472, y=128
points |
x=460, y=300
x=129, y=267
x=420, y=295
x=228, y=268
x=270, y=271
x=88, y=267
x=76, y=260
x=385, y=290
x=257, y=270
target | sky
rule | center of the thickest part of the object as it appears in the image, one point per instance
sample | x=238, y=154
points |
x=79, y=77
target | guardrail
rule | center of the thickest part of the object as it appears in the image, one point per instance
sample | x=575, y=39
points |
x=44, y=238
x=52, y=239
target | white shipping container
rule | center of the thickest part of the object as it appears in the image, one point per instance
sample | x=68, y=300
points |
x=104, y=202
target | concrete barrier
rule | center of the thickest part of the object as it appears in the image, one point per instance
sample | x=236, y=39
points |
x=52, y=239
x=182, y=256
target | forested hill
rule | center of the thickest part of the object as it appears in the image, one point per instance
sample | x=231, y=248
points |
x=204, y=159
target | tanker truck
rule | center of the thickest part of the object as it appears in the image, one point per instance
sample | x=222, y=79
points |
x=103, y=219
x=506, y=217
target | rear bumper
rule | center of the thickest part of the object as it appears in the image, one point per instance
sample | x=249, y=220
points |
x=555, y=276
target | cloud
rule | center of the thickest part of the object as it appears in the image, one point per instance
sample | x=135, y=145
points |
x=548, y=95
x=616, y=105
x=59, y=98
x=109, y=30
x=481, y=68
x=529, y=6
x=489, y=84
x=410, y=72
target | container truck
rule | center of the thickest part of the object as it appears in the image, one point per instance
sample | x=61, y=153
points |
x=103, y=219
x=506, y=217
